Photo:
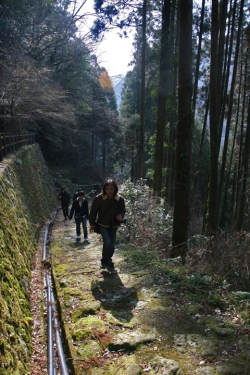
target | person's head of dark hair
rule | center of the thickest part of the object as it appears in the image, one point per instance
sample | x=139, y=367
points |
x=80, y=192
x=110, y=182
x=62, y=188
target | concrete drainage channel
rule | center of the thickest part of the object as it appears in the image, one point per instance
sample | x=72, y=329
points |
x=54, y=342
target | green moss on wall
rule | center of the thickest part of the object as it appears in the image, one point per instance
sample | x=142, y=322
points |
x=27, y=198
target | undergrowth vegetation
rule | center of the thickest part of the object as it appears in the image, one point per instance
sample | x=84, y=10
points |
x=149, y=223
x=216, y=273
x=149, y=226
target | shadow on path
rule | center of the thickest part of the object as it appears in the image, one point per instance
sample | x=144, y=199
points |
x=114, y=296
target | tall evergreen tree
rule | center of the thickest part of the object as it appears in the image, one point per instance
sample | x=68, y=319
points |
x=163, y=90
x=184, y=132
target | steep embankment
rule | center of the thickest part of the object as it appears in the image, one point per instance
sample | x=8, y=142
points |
x=27, y=198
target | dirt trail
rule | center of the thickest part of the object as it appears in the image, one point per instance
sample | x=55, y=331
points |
x=130, y=322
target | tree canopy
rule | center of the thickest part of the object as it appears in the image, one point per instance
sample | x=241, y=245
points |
x=51, y=83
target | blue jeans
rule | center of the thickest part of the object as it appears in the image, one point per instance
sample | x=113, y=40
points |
x=108, y=236
x=82, y=220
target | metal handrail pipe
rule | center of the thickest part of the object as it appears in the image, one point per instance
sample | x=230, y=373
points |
x=50, y=343
x=54, y=215
x=52, y=323
x=60, y=352
x=46, y=235
x=45, y=241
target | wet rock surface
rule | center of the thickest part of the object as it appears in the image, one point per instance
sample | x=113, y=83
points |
x=124, y=322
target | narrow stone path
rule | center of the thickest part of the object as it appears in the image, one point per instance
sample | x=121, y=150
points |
x=129, y=322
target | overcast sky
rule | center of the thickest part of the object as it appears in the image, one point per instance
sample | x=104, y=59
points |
x=115, y=53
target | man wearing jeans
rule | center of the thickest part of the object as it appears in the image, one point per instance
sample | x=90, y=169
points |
x=81, y=210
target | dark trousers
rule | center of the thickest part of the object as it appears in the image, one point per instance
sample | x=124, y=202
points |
x=82, y=220
x=65, y=209
x=108, y=236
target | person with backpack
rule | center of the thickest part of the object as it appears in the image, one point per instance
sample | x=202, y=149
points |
x=109, y=208
x=64, y=197
x=81, y=210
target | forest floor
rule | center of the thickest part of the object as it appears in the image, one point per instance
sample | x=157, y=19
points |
x=147, y=316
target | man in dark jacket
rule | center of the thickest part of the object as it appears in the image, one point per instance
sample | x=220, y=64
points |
x=81, y=210
x=64, y=197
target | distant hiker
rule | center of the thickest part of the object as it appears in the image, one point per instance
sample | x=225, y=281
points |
x=109, y=207
x=76, y=194
x=92, y=194
x=81, y=210
x=64, y=197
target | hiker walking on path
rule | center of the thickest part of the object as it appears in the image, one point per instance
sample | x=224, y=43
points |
x=81, y=209
x=109, y=207
x=64, y=197
x=76, y=194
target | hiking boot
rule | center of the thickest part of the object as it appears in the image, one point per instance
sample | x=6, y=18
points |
x=103, y=265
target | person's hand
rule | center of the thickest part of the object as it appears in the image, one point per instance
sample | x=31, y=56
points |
x=91, y=229
x=118, y=217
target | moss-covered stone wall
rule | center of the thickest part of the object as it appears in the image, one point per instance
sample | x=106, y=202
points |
x=27, y=198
